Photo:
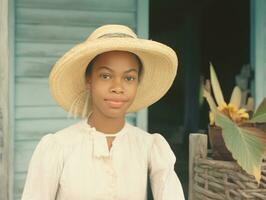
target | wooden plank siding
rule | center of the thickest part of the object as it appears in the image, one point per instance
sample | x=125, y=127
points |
x=258, y=48
x=45, y=29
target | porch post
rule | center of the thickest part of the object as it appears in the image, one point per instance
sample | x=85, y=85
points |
x=4, y=103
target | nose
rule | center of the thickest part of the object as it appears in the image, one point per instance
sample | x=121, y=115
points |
x=117, y=86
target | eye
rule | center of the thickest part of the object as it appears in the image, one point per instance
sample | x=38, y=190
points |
x=105, y=76
x=130, y=78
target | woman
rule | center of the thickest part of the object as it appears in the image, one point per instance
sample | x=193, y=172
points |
x=102, y=156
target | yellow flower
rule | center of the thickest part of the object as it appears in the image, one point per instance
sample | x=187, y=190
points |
x=232, y=109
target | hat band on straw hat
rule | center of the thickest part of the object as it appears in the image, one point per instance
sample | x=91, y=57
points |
x=122, y=35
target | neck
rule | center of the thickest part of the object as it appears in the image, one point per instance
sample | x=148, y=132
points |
x=105, y=124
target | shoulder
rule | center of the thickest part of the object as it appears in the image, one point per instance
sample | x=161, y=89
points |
x=143, y=136
x=155, y=143
x=66, y=136
x=138, y=133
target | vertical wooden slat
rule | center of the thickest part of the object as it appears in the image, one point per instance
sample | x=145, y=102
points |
x=197, y=148
x=252, y=45
x=3, y=112
x=143, y=32
x=258, y=44
x=12, y=94
x=5, y=138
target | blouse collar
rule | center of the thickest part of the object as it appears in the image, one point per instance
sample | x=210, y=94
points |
x=100, y=146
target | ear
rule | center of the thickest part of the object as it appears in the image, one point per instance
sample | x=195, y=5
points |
x=88, y=83
x=88, y=86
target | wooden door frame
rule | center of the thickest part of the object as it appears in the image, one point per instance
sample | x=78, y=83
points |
x=4, y=159
x=6, y=98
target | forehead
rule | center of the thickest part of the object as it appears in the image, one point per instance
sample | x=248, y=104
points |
x=117, y=60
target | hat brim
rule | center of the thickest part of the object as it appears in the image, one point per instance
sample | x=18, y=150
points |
x=67, y=77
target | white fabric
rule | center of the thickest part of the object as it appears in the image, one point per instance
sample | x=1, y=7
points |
x=76, y=164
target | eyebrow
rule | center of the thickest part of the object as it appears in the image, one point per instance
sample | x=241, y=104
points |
x=107, y=68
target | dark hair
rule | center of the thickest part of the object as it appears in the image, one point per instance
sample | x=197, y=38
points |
x=91, y=63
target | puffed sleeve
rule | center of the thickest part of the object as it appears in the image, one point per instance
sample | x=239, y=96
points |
x=44, y=170
x=165, y=184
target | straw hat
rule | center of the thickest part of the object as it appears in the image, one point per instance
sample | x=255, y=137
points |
x=67, y=77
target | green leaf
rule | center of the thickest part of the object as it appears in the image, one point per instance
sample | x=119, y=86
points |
x=210, y=100
x=260, y=113
x=216, y=87
x=246, y=144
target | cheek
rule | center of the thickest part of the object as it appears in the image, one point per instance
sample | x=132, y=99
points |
x=132, y=90
x=96, y=90
x=97, y=86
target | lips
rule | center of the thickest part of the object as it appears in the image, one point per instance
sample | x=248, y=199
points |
x=115, y=103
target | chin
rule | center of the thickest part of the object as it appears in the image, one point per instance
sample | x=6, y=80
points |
x=114, y=113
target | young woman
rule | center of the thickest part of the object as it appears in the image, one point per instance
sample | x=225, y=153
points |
x=102, y=156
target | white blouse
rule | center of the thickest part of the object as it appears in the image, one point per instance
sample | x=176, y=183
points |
x=76, y=164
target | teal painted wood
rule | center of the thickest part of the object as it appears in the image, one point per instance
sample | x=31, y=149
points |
x=87, y=5
x=51, y=33
x=12, y=96
x=143, y=32
x=39, y=49
x=45, y=29
x=258, y=47
x=33, y=92
x=78, y=18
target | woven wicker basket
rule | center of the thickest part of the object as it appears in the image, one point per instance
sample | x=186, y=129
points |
x=224, y=180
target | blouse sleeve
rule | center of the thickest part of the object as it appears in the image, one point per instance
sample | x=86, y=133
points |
x=165, y=184
x=44, y=170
